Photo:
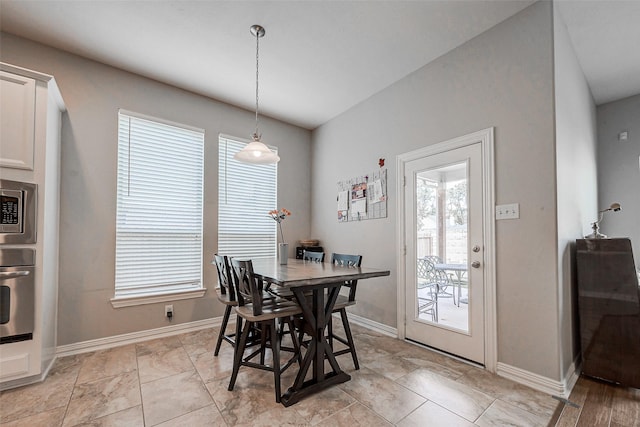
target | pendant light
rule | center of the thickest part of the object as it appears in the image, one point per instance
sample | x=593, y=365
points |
x=256, y=151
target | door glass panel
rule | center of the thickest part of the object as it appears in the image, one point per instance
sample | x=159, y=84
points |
x=441, y=246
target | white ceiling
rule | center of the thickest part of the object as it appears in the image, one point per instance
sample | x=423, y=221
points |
x=605, y=35
x=318, y=58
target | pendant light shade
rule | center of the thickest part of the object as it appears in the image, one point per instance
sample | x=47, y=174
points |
x=256, y=151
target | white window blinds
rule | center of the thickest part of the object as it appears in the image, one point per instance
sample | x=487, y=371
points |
x=159, y=207
x=246, y=195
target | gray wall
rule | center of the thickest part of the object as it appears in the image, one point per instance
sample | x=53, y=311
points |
x=93, y=93
x=502, y=78
x=619, y=170
x=576, y=179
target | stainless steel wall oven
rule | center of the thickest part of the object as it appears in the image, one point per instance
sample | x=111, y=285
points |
x=17, y=294
x=18, y=216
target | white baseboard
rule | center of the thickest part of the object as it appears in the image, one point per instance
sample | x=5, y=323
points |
x=6, y=385
x=571, y=376
x=538, y=382
x=134, y=337
x=374, y=326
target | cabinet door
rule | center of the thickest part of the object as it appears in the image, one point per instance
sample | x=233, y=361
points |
x=17, y=112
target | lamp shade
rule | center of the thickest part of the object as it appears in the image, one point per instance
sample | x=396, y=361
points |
x=257, y=153
x=615, y=207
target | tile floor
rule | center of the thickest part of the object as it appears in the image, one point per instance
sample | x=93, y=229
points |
x=176, y=381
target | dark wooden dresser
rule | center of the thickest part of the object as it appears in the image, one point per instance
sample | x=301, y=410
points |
x=609, y=310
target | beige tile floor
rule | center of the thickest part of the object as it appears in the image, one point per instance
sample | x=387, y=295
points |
x=176, y=381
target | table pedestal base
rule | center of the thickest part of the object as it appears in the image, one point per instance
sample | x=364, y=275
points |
x=316, y=312
x=310, y=387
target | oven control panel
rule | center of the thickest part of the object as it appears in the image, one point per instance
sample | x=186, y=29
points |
x=18, y=212
x=11, y=209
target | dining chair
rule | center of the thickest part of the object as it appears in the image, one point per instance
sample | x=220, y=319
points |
x=313, y=256
x=262, y=313
x=341, y=307
x=427, y=289
x=446, y=287
x=227, y=296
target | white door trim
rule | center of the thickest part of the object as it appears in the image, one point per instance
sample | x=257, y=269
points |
x=485, y=138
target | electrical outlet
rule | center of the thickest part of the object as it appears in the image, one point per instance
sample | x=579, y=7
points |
x=168, y=311
x=511, y=211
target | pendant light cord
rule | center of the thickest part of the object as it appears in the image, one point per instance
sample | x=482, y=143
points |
x=257, y=80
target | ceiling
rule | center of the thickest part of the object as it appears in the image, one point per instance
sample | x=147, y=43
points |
x=318, y=58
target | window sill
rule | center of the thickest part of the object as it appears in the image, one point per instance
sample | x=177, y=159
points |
x=129, y=301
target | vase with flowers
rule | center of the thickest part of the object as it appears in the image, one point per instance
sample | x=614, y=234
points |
x=283, y=248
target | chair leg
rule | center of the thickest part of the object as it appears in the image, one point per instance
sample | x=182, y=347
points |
x=263, y=341
x=330, y=330
x=239, y=350
x=280, y=324
x=294, y=340
x=347, y=330
x=301, y=333
x=275, y=350
x=453, y=295
x=223, y=328
x=435, y=309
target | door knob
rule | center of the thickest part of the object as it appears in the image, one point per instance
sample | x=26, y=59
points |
x=475, y=264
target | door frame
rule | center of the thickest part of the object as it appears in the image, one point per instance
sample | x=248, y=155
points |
x=486, y=140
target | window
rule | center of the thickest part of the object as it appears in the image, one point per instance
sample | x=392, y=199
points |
x=159, y=211
x=246, y=193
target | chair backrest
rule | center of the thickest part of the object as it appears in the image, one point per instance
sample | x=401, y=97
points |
x=225, y=276
x=423, y=267
x=349, y=261
x=424, y=272
x=248, y=286
x=427, y=270
x=440, y=277
x=313, y=256
x=435, y=259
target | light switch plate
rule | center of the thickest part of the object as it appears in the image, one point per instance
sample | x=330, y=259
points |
x=510, y=211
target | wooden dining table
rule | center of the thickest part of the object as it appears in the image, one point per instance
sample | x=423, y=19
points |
x=316, y=287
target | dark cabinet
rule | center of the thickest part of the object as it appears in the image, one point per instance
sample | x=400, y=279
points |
x=609, y=310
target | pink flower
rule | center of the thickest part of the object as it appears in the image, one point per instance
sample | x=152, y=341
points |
x=279, y=216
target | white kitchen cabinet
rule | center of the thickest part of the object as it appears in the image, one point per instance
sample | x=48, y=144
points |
x=31, y=111
x=17, y=115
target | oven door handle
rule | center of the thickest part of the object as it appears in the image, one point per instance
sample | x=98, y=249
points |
x=6, y=275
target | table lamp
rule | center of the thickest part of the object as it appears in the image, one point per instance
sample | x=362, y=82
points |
x=615, y=207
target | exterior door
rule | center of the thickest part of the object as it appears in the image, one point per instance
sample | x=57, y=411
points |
x=444, y=280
